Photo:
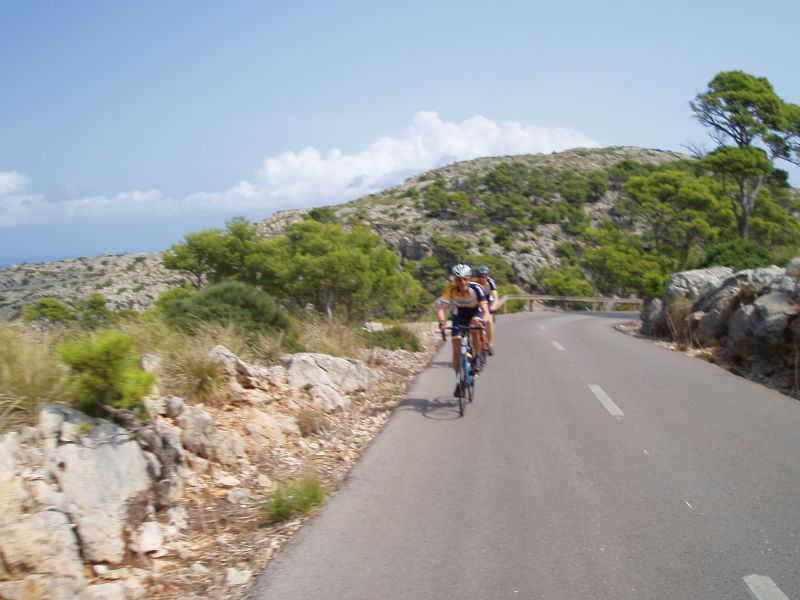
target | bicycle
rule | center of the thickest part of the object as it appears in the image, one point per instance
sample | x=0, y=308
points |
x=465, y=376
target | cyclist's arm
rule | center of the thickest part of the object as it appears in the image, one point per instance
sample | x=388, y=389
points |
x=441, y=303
x=494, y=296
x=484, y=305
x=441, y=315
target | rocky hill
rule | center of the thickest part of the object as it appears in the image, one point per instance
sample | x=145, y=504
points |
x=126, y=280
x=401, y=215
x=405, y=226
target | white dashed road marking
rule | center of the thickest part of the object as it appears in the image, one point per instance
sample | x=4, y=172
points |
x=762, y=587
x=606, y=401
x=558, y=346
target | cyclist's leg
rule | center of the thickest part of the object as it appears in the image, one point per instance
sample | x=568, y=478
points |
x=484, y=343
x=456, y=338
x=490, y=329
x=476, y=340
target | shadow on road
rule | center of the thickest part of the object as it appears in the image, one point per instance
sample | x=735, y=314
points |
x=439, y=409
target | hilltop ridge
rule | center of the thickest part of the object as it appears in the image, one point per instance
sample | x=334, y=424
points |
x=406, y=217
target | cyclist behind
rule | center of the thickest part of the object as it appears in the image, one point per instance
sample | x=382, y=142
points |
x=467, y=303
x=490, y=290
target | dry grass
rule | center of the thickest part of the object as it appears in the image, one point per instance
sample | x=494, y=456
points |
x=187, y=371
x=268, y=349
x=155, y=336
x=677, y=314
x=30, y=375
x=15, y=413
x=336, y=338
x=311, y=421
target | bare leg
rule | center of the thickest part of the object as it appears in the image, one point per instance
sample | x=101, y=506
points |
x=456, y=352
x=476, y=337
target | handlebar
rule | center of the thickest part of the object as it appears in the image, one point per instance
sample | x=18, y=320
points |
x=469, y=328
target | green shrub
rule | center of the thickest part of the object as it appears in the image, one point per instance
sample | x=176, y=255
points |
x=566, y=281
x=229, y=303
x=167, y=298
x=574, y=187
x=738, y=254
x=322, y=214
x=49, y=309
x=511, y=306
x=501, y=236
x=393, y=338
x=295, y=498
x=93, y=311
x=653, y=284
x=621, y=172
x=104, y=370
x=598, y=185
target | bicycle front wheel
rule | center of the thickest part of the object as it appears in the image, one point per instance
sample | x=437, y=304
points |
x=462, y=387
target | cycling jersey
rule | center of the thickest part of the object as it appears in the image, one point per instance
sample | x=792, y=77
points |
x=464, y=305
x=488, y=289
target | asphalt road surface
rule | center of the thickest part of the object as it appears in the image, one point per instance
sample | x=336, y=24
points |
x=591, y=465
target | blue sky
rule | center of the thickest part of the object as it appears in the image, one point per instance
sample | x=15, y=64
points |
x=125, y=125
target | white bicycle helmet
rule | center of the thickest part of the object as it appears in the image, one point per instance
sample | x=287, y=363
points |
x=461, y=270
x=483, y=269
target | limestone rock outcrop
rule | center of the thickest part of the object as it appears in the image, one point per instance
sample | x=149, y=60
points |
x=749, y=317
x=79, y=493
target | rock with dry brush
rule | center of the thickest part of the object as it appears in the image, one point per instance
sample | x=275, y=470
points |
x=191, y=502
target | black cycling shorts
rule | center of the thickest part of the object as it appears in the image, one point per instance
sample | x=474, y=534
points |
x=462, y=322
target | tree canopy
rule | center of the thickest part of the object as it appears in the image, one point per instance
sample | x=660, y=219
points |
x=679, y=212
x=320, y=263
x=744, y=110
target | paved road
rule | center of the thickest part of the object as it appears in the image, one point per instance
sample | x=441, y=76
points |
x=591, y=465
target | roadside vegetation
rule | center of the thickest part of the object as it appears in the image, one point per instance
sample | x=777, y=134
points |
x=88, y=355
x=294, y=498
x=620, y=230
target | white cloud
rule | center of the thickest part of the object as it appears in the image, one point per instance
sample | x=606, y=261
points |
x=12, y=182
x=309, y=177
x=16, y=205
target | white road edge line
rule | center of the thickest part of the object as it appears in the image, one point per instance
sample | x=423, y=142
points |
x=558, y=346
x=605, y=400
x=762, y=587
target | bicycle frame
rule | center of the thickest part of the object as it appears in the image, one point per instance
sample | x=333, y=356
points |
x=465, y=377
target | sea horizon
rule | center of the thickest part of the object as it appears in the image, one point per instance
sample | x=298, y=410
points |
x=10, y=261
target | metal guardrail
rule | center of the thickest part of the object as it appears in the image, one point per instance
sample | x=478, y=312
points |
x=599, y=303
